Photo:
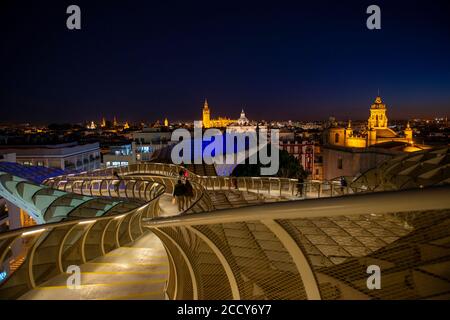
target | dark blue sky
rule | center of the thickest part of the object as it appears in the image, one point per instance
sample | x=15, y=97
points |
x=145, y=60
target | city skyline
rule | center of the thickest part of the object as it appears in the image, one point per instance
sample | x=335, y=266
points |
x=103, y=120
x=293, y=62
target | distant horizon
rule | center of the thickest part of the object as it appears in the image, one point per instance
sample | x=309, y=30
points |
x=176, y=121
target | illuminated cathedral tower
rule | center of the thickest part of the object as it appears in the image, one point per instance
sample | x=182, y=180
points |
x=377, y=130
x=378, y=119
x=206, y=115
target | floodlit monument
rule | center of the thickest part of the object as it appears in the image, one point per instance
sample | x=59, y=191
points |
x=376, y=131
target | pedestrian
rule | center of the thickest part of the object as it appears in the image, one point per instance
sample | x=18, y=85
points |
x=116, y=183
x=116, y=175
x=189, y=193
x=343, y=184
x=235, y=183
x=178, y=193
x=300, y=185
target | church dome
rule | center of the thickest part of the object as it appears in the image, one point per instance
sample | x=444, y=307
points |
x=242, y=119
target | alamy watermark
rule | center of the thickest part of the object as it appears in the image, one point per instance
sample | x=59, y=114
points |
x=73, y=22
x=73, y=282
x=374, y=20
x=374, y=280
x=250, y=144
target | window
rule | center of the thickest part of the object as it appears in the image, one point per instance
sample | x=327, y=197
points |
x=40, y=163
x=116, y=163
x=336, y=138
x=317, y=172
x=339, y=164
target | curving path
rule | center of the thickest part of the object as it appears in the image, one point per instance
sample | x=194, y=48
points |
x=289, y=250
x=138, y=271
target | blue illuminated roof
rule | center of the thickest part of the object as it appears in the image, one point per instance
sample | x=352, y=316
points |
x=35, y=174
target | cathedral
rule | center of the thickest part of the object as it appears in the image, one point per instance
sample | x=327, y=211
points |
x=376, y=131
x=221, y=122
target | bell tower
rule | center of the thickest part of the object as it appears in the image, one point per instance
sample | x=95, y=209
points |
x=206, y=115
x=378, y=118
x=349, y=130
x=408, y=133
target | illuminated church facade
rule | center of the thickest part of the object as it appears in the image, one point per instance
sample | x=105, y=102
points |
x=376, y=131
x=221, y=122
x=213, y=123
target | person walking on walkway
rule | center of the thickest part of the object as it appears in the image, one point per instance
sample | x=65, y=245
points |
x=343, y=184
x=181, y=174
x=116, y=183
x=178, y=192
x=235, y=183
x=189, y=195
x=300, y=185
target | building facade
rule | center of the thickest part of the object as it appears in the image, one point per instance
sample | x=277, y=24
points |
x=214, y=123
x=351, y=162
x=376, y=131
x=65, y=156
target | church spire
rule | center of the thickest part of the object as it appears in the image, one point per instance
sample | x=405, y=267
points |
x=206, y=115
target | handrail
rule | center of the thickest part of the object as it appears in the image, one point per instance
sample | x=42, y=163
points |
x=167, y=172
x=433, y=198
x=110, y=232
x=271, y=186
x=311, y=249
x=203, y=195
x=50, y=225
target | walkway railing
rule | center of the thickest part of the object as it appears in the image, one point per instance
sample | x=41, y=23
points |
x=130, y=187
x=270, y=186
x=288, y=250
x=49, y=249
x=313, y=249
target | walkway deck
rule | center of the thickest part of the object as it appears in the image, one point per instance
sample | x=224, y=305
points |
x=138, y=272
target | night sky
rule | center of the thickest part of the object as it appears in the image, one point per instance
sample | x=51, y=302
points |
x=146, y=60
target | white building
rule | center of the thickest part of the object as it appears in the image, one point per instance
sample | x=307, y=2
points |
x=66, y=156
